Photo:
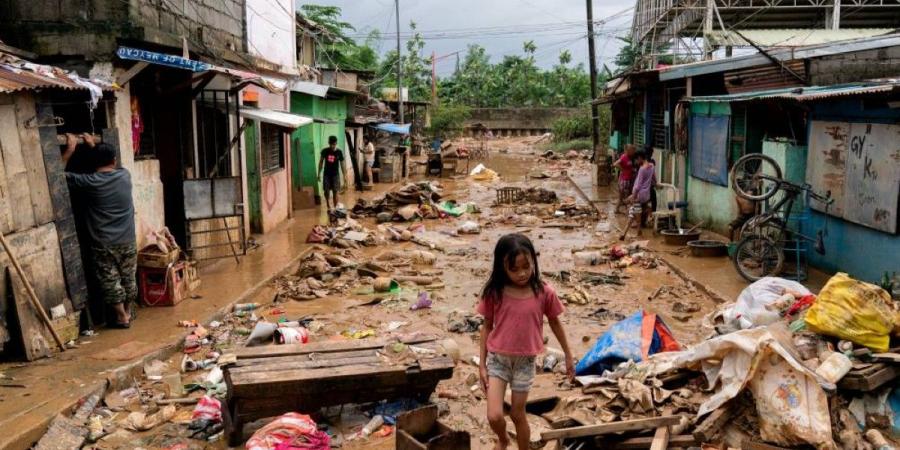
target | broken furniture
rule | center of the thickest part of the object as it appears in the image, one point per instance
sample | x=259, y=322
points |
x=509, y=195
x=390, y=168
x=270, y=381
x=420, y=429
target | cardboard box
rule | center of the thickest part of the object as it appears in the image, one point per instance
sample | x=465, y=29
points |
x=152, y=256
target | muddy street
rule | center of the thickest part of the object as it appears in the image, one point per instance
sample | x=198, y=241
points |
x=344, y=307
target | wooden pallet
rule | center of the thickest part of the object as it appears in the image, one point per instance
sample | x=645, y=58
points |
x=869, y=377
x=270, y=381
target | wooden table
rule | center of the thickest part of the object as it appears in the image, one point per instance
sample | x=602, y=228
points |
x=270, y=381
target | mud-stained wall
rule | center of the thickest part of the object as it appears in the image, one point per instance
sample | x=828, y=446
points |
x=274, y=199
x=147, y=188
x=711, y=203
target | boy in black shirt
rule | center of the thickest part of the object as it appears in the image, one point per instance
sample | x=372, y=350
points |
x=330, y=167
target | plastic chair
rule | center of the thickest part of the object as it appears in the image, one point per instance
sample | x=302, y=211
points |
x=667, y=205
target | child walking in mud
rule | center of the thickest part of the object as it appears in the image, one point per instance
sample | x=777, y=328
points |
x=514, y=302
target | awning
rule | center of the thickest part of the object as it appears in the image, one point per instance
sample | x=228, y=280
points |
x=310, y=88
x=808, y=93
x=280, y=118
x=395, y=128
x=177, y=62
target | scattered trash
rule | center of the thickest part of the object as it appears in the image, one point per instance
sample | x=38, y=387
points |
x=469, y=227
x=384, y=284
x=358, y=334
x=422, y=302
x=854, y=310
x=291, y=335
x=244, y=307
x=761, y=302
x=291, y=430
x=461, y=322
x=141, y=421
x=834, y=367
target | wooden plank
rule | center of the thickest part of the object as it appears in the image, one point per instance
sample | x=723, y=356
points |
x=748, y=444
x=299, y=358
x=712, y=425
x=660, y=439
x=16, y=173
x=6, y=221
x=681, y=440
x=264, y=365
x=34, y=343
x=607, y=428
x=53, y=165
x=70, y=250
x=131, y=72
x=327, y=346
x=33, y=158
x=869, y=382
x=299, y=376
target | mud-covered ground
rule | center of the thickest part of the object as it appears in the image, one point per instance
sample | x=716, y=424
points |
x=461, y=269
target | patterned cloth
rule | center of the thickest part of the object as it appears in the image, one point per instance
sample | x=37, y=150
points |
x=116, y=269
x=518, y=371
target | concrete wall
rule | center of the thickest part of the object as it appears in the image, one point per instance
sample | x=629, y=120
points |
x=711, y=203
x=850, y=67
x=275, y=197
x=147, y=188
x=270, y=32
x=519, y=118
x=92, y=27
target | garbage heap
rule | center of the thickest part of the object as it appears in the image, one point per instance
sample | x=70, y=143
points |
x=784, y=368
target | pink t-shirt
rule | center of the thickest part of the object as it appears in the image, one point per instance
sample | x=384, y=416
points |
x=519, y=322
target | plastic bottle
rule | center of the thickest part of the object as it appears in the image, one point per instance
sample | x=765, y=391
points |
x=242, y=307
x=372, y=426
x=834, y=367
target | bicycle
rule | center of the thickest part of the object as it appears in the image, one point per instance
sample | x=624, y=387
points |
x=760, y=252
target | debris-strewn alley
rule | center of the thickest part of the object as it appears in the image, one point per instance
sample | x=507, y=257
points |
x=395, y=284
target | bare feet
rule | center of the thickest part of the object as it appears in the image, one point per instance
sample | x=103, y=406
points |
x=501, y=445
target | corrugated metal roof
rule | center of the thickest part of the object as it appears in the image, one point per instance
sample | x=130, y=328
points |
x=280, y=118
x=18, y=74
x=782, y=54
x=808, y=93
x=793, y=37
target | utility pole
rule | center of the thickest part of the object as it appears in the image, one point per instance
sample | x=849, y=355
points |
x=433, y=78
x=592, y=64
x=399, y=66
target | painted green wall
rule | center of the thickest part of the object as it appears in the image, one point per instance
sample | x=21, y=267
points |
x=254, y=181
x=314, y=137
x=711, y=203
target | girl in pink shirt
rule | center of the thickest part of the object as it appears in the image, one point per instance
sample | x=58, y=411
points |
x=514, y=303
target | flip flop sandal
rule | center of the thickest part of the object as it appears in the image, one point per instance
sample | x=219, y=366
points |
x=120, y=325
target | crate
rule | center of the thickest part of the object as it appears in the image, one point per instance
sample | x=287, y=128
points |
x=162, y=287
x=420, y=429
x=152, y=256
x=391, y=169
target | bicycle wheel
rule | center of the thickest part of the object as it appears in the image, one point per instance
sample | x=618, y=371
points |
x=758, y=256
x=756, y=177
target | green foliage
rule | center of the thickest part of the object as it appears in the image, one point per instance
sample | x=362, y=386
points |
x=447, y=119
x=514, y=81
x=570, y=128
x=578, y=127
x=577, y=144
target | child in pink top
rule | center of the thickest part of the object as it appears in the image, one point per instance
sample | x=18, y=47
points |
x=514, y=303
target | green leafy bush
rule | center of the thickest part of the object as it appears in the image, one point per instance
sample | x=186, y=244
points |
x=574, y=127
x=447, y=119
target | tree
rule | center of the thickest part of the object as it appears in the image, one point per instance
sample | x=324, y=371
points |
x=335, y=48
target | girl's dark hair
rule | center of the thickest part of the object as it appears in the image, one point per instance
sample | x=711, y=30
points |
x=508, y=248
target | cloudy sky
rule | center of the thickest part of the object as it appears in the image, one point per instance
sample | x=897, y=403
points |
x=501, y=26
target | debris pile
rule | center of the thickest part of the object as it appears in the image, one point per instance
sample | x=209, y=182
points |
x=411, y=196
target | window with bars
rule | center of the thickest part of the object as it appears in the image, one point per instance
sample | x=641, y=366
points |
x=271, y=147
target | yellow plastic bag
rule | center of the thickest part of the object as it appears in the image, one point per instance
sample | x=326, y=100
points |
x=854, y=310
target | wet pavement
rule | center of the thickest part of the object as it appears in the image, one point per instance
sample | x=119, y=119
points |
x=650, y=284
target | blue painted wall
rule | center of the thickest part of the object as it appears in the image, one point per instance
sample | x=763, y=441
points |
x=863, y=252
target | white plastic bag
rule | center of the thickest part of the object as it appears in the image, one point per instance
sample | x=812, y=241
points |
x=754, y=306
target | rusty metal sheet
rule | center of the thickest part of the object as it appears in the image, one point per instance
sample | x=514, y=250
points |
x=826, y=162
x=860, y=164
x=872, y=182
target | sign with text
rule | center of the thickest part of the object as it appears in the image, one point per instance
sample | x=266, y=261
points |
x=163, y=59
x=860, y=164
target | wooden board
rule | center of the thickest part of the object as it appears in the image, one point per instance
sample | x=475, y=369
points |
x=326, y=347
x=34, y=343
x=32, y=156
x=660, y=439
x=38, y=252
x=16, y=174
x=608, y=428
x=873, y=378
x=682, y=440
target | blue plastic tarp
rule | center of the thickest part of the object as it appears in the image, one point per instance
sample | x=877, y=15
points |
x=632, y=338
x=396, y=128
x=709, y=148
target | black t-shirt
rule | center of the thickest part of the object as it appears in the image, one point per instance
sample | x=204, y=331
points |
x=332, y=158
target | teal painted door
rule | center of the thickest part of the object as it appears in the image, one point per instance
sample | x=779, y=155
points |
x=254, y=178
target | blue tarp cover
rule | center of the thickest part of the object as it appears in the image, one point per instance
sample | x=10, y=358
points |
x=395, y=128
x=709, y=148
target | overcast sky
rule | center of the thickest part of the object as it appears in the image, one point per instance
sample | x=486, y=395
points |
x=501, y=26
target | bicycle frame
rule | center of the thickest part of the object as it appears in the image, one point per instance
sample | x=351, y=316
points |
x=792, y=191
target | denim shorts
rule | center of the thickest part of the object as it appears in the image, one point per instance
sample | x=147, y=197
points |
x=518, y=371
